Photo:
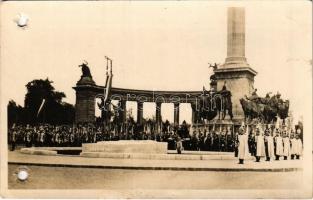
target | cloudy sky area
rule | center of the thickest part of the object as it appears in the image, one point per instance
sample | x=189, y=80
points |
x=155, y=45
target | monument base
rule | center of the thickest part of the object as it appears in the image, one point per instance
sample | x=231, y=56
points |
x=126, y=146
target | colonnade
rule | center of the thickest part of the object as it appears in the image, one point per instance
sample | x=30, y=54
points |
x=158, y=117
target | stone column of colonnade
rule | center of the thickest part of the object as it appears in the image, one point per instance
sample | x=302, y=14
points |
x=176, y=114
x=158, y=112
x=195, y=109
x=139, y=112
x=122, y=111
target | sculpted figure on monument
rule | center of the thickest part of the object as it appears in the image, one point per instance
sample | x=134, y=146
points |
x=213, y=103
x=254, y=97
x=266, y=109
x=213, y=66
x=224, y=102
x=85, y=69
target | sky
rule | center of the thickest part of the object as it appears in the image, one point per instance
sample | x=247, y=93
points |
x=156, y=46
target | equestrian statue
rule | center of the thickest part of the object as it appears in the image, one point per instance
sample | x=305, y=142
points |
x=266, y=108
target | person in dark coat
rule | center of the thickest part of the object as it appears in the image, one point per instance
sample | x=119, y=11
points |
x=252, y=144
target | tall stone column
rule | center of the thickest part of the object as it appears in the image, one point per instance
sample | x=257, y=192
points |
x=122, y=111
x=235, y=73
x=236, y=37
x=158, y=112
x=139, y=112
x=176, y=113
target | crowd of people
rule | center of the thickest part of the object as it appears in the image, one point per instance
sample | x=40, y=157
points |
x=256, y=140
x=194, y=139
x=271, y=143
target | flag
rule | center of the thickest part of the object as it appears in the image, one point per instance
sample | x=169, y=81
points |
x=108, y=83
x=41, y=106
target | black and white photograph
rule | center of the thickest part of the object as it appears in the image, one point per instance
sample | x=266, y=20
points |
x=156, y=99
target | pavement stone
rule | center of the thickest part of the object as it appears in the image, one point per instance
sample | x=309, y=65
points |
x=17, y=157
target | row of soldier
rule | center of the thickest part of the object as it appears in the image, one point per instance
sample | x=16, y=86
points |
x=271, y=143
x=212, y=140
x=48, y=135
x=200, y=139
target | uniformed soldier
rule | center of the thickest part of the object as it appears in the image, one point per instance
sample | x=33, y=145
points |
x=286, y=143
x=215, y=141
x=71, y=137
x=194, y=142
x=41, y=136
x=57, y=139
x=251, y=143
x=28, y=136
x=201, y=142
x=236, y=143
x=243, y=148
x=259, y=139
x=269, y=144
x=293, y=142
x=208, y=141
x=35, y=137
x=279, y=149
x=299, y=147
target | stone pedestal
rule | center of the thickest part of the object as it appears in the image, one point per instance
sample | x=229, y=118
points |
x=85, y=100
x=85, y=104
x=240, y=82
x=126, y=146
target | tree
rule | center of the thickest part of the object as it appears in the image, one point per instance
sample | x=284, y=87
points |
x=16, y=113
x=44, y=105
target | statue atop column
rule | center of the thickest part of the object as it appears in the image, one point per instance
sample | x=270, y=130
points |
x=85, y=69
x=86, y=78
